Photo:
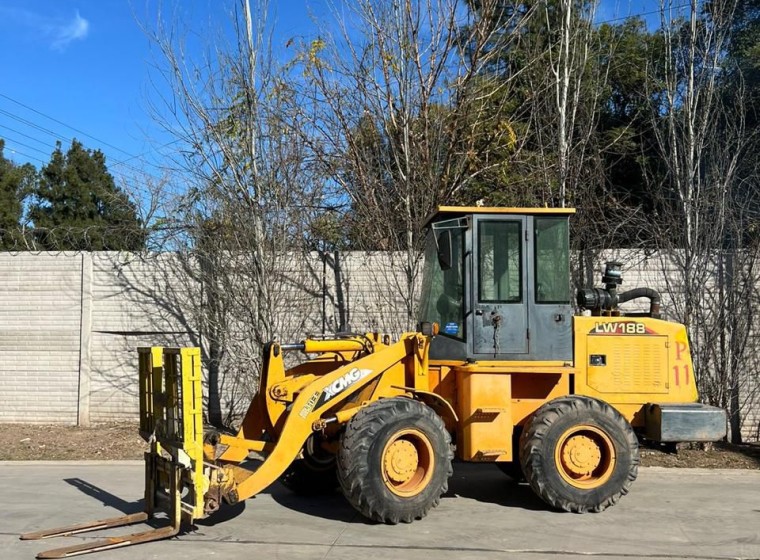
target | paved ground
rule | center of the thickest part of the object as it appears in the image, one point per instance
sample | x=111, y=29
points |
x=674, y=513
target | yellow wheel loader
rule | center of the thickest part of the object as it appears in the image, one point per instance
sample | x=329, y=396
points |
x=503, y=369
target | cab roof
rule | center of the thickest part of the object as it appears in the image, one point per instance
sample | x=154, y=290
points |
x=459, y=210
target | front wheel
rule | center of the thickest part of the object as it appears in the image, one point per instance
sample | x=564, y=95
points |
x=579, y=454
x=394, y=460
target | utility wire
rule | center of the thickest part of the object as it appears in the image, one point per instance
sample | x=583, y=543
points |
x=69, y=140
x=678, y=7
x=61, y=138
x=25, y=155
x=148, y=152
x=13, y=140
x=64, y=124
x=23, y=134
x=33, y=125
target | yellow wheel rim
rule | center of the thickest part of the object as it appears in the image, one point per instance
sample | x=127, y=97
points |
x=407, y=463
x=585, y=456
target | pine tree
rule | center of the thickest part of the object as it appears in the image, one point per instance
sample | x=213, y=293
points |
x=80, y=208
x=15, y=185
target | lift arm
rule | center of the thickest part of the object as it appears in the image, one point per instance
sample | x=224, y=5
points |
x=310, y=412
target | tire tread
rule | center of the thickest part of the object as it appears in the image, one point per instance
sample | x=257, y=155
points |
x=533, y=449
x=354, y=470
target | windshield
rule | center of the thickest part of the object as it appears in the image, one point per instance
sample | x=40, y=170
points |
x=442, y=298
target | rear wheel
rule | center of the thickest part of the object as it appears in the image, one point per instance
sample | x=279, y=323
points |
x=579, y=454
x=314, y=473
x=394, y=460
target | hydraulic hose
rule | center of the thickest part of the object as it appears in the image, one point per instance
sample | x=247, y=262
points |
x=652, y=295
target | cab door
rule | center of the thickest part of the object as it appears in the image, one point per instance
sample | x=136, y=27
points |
x=500, y=322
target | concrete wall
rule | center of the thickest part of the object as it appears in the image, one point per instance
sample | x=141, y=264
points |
x=40, y=337
x=69, y=327
x=70, y=323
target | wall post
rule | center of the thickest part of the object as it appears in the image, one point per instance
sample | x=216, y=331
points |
x=85, y=342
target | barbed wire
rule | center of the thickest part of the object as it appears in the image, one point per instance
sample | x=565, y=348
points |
x=94, y=237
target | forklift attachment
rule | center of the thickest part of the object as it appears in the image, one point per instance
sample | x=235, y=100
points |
x=171, y=422
x=103, y=544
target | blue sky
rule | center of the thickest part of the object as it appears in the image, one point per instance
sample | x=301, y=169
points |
x=81, y=63
x=86, y=65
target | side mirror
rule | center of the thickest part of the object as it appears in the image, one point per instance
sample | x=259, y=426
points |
x=445, y=252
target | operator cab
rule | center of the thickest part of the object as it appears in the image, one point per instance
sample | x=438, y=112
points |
x=497, y=282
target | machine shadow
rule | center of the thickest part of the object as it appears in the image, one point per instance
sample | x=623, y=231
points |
x=226, y=513
x=105, y=497
x=481, y=482
x=332, y=506
x=484, y=482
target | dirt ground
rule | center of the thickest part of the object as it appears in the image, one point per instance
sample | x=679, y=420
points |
x=108, y=442
x=23, y=442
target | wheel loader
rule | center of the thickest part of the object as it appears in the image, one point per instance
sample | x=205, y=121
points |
x=504, y=368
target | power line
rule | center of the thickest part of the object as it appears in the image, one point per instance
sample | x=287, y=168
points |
x=15, y=142
x=678, y=7
x=25, y=145
x=23, y=134
x=62, y=138
x=64, y=124
x=115, y=162
x=148, y=152
x=69, y=140
x=33, y=125
x=25, y=155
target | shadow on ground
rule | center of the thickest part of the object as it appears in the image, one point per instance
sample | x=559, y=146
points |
x=108, y=499
x=486, y=483
x=480, y=482
x=105, y=497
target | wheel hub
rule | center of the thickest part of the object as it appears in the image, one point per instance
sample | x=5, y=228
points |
x=407, y=462
x=401, y=461
x=581, y=455
x=585, y=456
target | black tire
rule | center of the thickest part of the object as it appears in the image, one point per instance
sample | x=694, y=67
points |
x=599, y=435
x=314, y=474
x=374, y=438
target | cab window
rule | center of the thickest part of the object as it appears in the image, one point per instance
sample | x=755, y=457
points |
x=552, y=260
x=499, y=262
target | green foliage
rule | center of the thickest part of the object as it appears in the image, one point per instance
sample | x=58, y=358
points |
x=78, y=206
x=527, y=41
x=632, y=57
x=744, y=51
x=15, y=185
x=615, y=161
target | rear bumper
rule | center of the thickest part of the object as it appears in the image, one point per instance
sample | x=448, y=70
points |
x=669, y=423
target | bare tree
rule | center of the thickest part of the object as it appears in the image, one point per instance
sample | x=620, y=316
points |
x=569, y=90
x=571, y=72
x=699, y=127
x=397, y=98
x=240, y=225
